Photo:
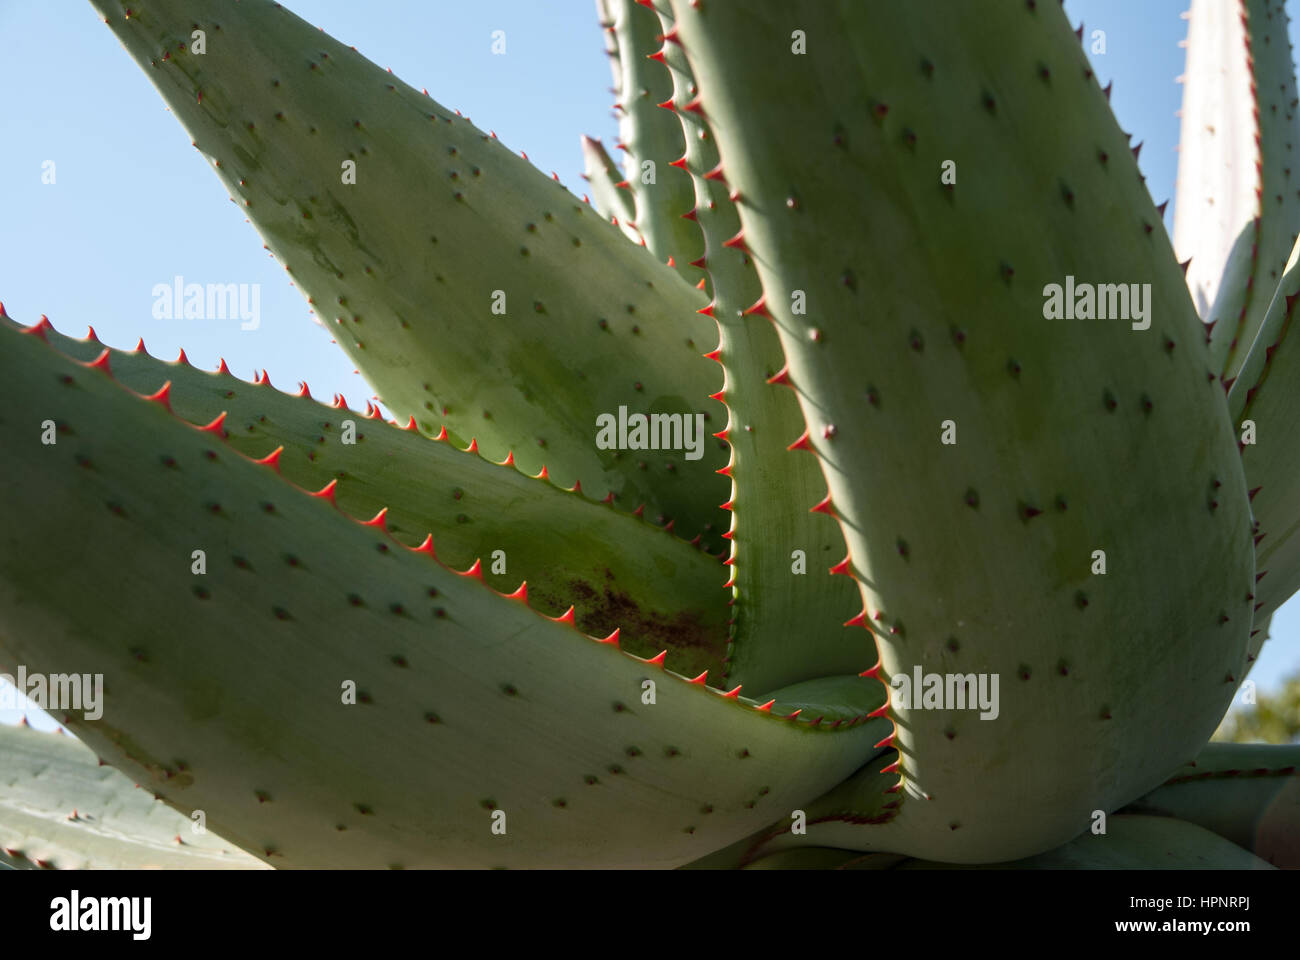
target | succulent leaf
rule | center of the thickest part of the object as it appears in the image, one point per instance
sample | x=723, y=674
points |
x=472, y=290
x=610, y=200
x=652, y=138
x=1238, y=207
x=62, y=809
x=616, y=571
x=1248, y=793
x=928, y=308
x=1132, y=842
x=229, y=692
x=1265, y=406
x=788, y=609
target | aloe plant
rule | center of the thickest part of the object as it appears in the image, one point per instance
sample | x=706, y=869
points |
x=966, y=435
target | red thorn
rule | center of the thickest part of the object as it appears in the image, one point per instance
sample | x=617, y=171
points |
x=1251, y=494
x=842, y=567
x=410, y=425
x=824, y=507
x=612, y=639
x=716, y=174
x=139, y=346
x=163, y=396
x=37, y=331
x=222, y=368
x=91, y=335
x=698, y=262
x=543, y=475
x=713, y=354
x=801, y=443
x=101, y=362
x=782, y=376
x=473, y=445
x=565, y=617
x=707, y=311
x=766, y=707
x=737, y=242
x=733, y=694
x=509, y=461
x=658, y=659
x=700, y=285
x=791, y=716
x=272, y=459
x=326, y=492
x=520, y=594
x=700, y=679
x=859, y=620
x=690, y=215
x=672, y=262
x=426, y=546
x=887, y=742
x=379, y=520
x=475, y=570
x=680, y=163
x=668, y=104
x=718, y=396
x=759, y=306
x=303, y=392
x=657, y=55
x=694, y=106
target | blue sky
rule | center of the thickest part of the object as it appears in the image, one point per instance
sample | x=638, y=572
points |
x=134, y=204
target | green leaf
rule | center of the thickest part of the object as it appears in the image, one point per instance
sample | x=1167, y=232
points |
x=789, y=611
x=231, y=691
x=1237, y=210
x=1265, y=403
x=610, y=200
x=928, y=306
x=617, y=571
x=62, y=809
x=651, y=135
x=442, y=226
x=1246, y=793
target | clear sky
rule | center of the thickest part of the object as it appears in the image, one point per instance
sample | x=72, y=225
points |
x=134, y=204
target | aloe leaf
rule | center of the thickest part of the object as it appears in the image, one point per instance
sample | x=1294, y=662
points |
x=1238, y=202
x=612, y=201
x=365, y=706
x=662, y=193
x=62, y=809
x=1265, y=404
x=1131, y=843
x=615, y=570
x=1246, y=793
x=931, y=317
x=789, y=609
x=470, y=289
